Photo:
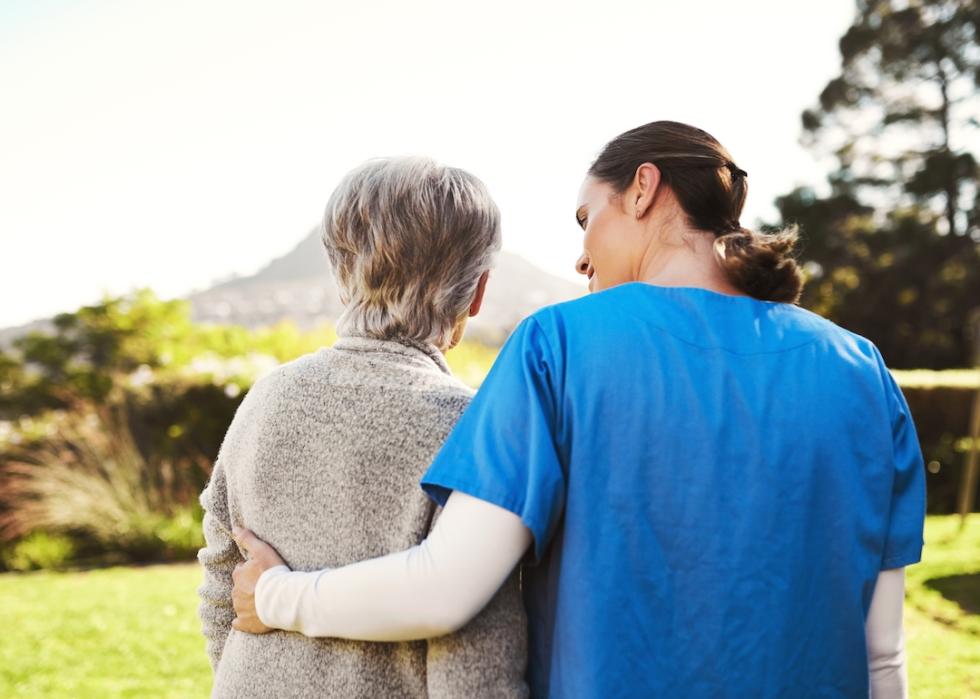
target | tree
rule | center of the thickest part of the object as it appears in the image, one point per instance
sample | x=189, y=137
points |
x=97, y=348
x=88, y=351
x=893, y=251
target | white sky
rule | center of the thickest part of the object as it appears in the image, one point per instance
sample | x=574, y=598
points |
x=169, y=144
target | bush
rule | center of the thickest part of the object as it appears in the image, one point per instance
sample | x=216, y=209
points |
x=39, y=551
x=181, y=534
x=86, y=478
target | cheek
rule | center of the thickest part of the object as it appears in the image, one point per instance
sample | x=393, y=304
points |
x=607, y=250
x=598, y=236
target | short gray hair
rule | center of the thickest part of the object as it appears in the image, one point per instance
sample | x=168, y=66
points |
x=408, y=240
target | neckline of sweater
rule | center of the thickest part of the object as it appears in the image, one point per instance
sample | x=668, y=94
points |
x=407, y=348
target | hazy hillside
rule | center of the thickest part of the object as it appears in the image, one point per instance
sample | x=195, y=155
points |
x=299, y=285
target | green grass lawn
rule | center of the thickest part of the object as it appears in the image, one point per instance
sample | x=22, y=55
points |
x=942, y=612
x=113, y=632
x=133, y=631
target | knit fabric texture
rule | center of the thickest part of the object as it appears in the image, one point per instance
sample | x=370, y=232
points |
x=322, y=461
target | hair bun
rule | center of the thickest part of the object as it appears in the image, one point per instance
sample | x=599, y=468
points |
x=762, y=264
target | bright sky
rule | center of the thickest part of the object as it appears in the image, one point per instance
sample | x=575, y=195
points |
x=169, y=144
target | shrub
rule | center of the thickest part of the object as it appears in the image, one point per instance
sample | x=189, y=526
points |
x=39, y=551
x=941, y=403
x=86, y=477
x=182, y=534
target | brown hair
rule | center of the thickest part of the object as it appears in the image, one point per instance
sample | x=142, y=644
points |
x=711, y=190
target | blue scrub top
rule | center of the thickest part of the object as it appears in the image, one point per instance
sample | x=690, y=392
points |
x=713, y=483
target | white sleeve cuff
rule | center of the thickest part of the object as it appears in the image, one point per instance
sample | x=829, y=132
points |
x=267, y=589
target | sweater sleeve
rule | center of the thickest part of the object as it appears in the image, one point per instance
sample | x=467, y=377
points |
x=219, y=557
x=488, y=656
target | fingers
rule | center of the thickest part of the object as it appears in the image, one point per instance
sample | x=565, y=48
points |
x=249, y=625
x=243, y=537
x=245, y=575
x=256, y=549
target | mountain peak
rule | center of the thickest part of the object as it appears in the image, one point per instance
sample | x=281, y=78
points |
x=300, y=285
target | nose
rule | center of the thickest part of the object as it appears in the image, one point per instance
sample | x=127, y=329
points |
x=582, y=265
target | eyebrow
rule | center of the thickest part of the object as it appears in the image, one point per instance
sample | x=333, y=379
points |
x=580, y=217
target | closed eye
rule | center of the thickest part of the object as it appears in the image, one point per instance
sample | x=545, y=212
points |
x=581, y=218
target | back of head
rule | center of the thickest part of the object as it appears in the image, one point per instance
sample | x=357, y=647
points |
x=408, y=240
x=711, y=190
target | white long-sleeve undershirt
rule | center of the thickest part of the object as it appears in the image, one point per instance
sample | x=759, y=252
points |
x=436, y=587
x=429, y=590
x=885, y=637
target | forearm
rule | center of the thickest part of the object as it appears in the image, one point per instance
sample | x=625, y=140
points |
x=428, y=590
x=488, y=656
x=889, y=678
x=375, y=600
x=885, y=637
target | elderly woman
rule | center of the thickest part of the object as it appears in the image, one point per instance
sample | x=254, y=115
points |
x=325, y=453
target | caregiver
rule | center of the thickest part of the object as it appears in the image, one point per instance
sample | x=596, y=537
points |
x=714, y=491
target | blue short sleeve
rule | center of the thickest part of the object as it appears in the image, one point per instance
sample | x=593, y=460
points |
x=503, y=449
x=903, y=542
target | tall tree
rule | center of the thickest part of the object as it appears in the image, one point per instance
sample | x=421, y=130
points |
x=893, y=251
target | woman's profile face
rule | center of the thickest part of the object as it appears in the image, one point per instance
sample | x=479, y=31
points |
x=610, y=236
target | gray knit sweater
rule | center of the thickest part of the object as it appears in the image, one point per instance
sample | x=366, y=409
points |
x=323, y=461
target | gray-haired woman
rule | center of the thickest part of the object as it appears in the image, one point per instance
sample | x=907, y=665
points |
x=324, y=455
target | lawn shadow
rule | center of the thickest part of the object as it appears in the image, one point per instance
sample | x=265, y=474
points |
x=962, y=589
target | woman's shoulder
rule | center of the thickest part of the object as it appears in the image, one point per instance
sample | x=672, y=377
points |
x=699, y=317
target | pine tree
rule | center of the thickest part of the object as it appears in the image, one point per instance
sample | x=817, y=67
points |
x=893, y=252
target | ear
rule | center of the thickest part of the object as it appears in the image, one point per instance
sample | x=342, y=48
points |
x=481, y=289
x=646, y=182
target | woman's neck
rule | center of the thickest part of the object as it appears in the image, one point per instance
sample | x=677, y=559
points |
x=684, y=257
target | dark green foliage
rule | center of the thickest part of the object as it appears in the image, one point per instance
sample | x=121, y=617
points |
x=182, y=422
x=892, y=252
x=942, y=418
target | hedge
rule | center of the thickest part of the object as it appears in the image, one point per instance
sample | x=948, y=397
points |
x=941, y=404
